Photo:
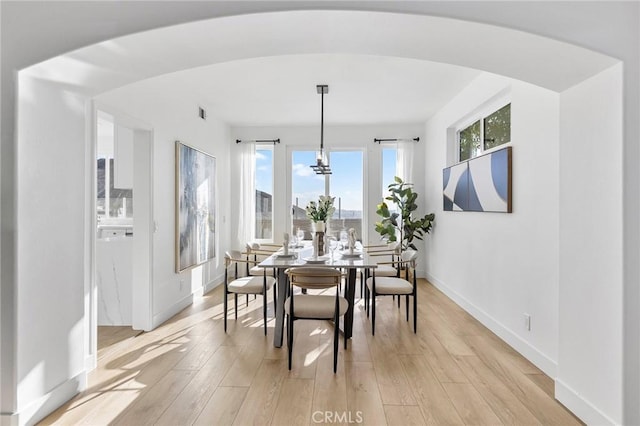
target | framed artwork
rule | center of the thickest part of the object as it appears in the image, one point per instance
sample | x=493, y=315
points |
x=195, y=207
x=481, y=184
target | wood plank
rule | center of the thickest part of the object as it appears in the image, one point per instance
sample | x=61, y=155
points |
x=535, y=399
x=503, y=402
x=434, y=403
x=144, y=411
x=442, y=363
x=390, y=375
x=330, y=390
x=307, y=347
x=362, y=393
x=192, y=400
x=404, y=415
x=262, y=398
x=544, y=382
x=244, y=368
x=294, y=402
x=222, y=407
x=470, y=405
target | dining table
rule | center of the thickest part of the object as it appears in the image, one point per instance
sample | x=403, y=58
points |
x=304, y=256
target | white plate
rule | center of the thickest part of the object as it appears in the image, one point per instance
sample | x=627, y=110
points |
x=315, y=259
x=354, y=255
x=286, y=256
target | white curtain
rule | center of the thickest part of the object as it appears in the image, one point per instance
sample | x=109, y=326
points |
x=247, y=195
x=404, y=160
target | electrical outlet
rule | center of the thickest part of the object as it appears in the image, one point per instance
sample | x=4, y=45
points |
x=527, y=322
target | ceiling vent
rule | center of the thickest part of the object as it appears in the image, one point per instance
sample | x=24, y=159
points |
x=202, y=113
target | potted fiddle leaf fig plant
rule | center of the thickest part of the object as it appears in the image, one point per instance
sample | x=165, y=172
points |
x=401, y=225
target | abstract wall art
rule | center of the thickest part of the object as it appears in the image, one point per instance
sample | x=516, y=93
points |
x=481, y=184
x=195, y=207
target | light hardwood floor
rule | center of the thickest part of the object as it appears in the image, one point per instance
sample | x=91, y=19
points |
x=452, y=372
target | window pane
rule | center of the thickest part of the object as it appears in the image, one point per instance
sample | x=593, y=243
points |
x=497, y=127
x=264, y=193
x=111, y=202
x=346, y=183
x=305, y=186
x=470, y=141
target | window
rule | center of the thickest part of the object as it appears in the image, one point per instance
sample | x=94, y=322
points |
x=470, y=141
x=111, y=202
x=345, y=184
x=484, y=134
x=497, y=128
x=264, y=193
x=305, y=186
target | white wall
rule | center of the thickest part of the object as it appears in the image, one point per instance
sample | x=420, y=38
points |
x=51, y=255
x=357, y=137
x=175, y=117
x=500, y=266
x=611, y=28
x=590, y=376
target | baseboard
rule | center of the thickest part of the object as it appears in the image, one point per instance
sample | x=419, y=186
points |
x=45, y=405
x=161, y=317
x=213, y=284
x=580, y=406
x=90, y=362
x=8, y=419
x=539, y=359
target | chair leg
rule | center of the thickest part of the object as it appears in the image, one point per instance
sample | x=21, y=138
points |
x=406, y=305
x=225, y=310
x=235, y=298
x=264, y=311
x=290, y=339
x=415, y=314
x=373, y=313
x=247, y=298
x=366, y=300
x=335, y=342
x=398, y=301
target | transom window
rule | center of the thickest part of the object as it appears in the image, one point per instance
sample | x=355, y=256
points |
x=485, y=133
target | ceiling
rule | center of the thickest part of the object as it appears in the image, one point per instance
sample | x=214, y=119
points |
x=281, y=90
x=261, y=69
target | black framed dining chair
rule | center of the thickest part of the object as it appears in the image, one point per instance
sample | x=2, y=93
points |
x=388, y=266
x=247, y=285
x=315, y=306
x=394, y=286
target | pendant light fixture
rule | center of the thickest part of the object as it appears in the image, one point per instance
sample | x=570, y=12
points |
x=322, y=164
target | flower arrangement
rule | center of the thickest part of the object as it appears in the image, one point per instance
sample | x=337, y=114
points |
x=322, y=210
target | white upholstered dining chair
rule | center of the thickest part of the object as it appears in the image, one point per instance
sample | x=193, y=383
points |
x=315, y=306
x=394, y=286
x=250, y=284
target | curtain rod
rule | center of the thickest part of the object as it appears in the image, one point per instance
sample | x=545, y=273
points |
x=376, y=140
x=273, y=141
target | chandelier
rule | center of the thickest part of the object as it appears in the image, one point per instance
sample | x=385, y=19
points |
x=322, y=164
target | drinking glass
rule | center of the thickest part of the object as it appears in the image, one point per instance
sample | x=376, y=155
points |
x=300, y=235
x=333, y=246
x=344, y=239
